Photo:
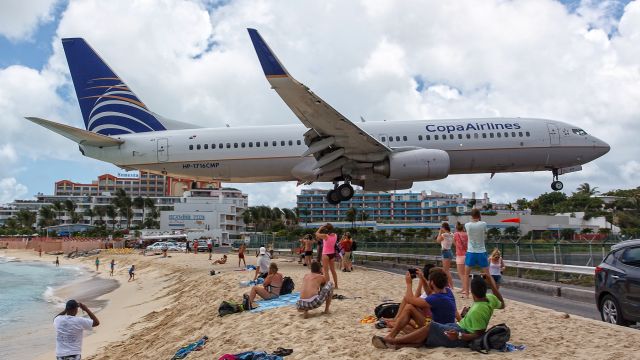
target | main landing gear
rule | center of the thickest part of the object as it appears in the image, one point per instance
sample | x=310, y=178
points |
x=340, y=193
x=556, y=185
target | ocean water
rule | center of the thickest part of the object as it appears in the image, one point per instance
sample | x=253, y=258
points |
x=28, y=306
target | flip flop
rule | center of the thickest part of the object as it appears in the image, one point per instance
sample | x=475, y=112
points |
x=282, y=352
x=378, y=342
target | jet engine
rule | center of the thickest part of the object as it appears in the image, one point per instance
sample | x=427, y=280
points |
x=415, y=165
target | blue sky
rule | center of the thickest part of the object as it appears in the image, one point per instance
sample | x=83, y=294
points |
x=212, y=43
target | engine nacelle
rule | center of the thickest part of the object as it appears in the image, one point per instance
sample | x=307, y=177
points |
x=415, y=165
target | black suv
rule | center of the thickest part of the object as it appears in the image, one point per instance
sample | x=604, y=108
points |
x=618, y=284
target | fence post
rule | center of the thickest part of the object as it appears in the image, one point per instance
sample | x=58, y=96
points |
x=519, y=270
x=555, y=260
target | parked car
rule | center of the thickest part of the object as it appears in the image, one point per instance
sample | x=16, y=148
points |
x=202, y=245
x=618, y=284
x=156, y=248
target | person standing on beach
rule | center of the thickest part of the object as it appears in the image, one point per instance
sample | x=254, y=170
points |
x=97, y=263
x=461, y=240
x=188, y=247
x=69, y=330
x=445, y=238
x=476, y=251
x=241, y=255
x=308, y=249
x=57, y=262
x=210, y=247
x=195, y=247
x=132, y=273
x=112, y=265
x=40, y=251
x=345, y=244
x=329, y=238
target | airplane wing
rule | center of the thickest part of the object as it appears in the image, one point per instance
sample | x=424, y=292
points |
x=333, y=131
x=80, y=136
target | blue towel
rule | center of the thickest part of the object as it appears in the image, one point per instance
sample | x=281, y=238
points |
x=280, y=301
x=184, y=351
x=257, y=355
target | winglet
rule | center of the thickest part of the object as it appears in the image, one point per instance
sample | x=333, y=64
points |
x=270, y=63
x=82, y=137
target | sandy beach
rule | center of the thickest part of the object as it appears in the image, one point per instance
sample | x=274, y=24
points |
x=174, y=301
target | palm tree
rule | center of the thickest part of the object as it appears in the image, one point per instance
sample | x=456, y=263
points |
x=124, y=205
x=90, y=214
x=70, y=207
x=586, y=189
x=247, y=218
x=111, y=213
x=26, y=218
x=351, y=216
x=58, y=207
x=138, y=203
x=305, y=212
x=100, y=212
x=47, y=216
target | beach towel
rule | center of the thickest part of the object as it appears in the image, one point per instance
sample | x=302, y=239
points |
x=257, y=355
x=195, y=346
x=280, y=301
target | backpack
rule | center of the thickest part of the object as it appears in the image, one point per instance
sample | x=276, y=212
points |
x=354, y=245
x=287, y=286
x=229, y=307
x=494, y=338
x=386, y=310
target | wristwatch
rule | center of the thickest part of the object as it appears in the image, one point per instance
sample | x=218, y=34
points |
x=459, y=335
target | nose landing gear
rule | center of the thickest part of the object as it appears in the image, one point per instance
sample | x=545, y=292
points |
x=556, y=185
x=340, y=193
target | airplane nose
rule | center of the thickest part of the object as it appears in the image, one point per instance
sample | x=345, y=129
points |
x=600, y=147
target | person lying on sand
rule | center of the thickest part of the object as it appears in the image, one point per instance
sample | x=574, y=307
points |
x=316, y=289
x=270, y=289
x=441, y=304
x=472, y=325
x=222, y=260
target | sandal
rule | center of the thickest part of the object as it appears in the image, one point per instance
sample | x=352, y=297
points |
x=378, y=342
x=381, y=324
x=282, y=352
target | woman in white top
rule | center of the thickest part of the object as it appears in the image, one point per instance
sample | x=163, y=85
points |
x=445, y=238
x=496, y=266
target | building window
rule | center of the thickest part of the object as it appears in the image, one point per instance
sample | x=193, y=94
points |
x=190, y=147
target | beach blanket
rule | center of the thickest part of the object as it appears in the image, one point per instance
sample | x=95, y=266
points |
x=280, y=301
x=257, y=355
x=195, y=346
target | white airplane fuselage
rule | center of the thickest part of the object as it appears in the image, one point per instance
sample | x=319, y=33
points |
x=233, y=154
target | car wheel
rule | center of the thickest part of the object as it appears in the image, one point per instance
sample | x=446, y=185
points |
x=610, y=311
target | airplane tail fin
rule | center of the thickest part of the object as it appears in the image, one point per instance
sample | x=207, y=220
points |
x=108, y=105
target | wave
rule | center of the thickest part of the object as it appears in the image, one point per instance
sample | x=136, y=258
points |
x=49, y=296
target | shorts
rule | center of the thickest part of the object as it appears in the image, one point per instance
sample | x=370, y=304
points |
x=241, y=256
x=447, y=254
x=315, y=301
x=460, y=260
x=477, y=259
x=68, y=357
x=347, y=255
x=308, y=253
x=331, y=256
x=210, y=249
x=497, y=278
x=437, y=337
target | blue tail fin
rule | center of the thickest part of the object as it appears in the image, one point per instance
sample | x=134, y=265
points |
x=108, y=106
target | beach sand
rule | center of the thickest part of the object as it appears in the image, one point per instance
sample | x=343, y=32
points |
x=174, y=301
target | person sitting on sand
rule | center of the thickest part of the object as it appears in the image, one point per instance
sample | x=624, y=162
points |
x=270, y=289
x=316, y=289
x=262, y=264
x=222, y=260
x=69, y=329
x=441, y=304
x=132, y=273
x=469, y=328
x=422, y=291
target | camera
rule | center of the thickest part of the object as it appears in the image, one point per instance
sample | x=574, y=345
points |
x=412, y=272
x=472, y=276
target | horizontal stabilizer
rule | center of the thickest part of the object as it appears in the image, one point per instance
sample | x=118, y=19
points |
x=80, y=136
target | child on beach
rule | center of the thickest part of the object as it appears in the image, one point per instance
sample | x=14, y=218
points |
x=329, y=238
x=57, y=261
x=97, y=263
x=132, y=273
x=445, y=238
x=316, y=289
x=112, y=265
x=460, y=239
x=496, y=266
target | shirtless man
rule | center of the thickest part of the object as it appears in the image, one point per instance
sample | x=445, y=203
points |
x=316, y=289
x=308, y=249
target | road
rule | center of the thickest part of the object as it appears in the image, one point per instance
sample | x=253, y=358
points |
x=584, y=309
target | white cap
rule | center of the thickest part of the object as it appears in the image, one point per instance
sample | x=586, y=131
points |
x=263, y=250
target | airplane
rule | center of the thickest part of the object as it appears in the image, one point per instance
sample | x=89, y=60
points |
x=325, y=147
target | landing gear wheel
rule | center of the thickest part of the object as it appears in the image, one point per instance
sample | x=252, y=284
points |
x=557, y=185
x=333, y=197
x=345, y=191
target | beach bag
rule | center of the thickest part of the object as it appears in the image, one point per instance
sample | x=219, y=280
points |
x=386, y=310
x=229, y=307
x=287, y=286
x=495, y=338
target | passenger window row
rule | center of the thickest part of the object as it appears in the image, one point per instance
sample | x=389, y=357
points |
x=490, y=135
x=236, y=145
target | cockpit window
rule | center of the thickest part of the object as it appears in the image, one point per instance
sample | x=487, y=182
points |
x=579, y=132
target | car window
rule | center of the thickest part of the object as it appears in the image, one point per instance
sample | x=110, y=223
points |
x=631, y=257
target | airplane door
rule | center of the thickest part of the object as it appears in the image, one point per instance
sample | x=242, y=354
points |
x=554, y=134
x=163, y=149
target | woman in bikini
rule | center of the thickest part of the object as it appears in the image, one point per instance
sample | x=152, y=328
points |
x=329, y=238
x=270, y=289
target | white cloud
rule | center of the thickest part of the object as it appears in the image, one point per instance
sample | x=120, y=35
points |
x=19, y=19
x=10, y=190
x=497, y=58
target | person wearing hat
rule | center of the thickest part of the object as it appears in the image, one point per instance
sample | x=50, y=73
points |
x=69, y=329
x=262, y=266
